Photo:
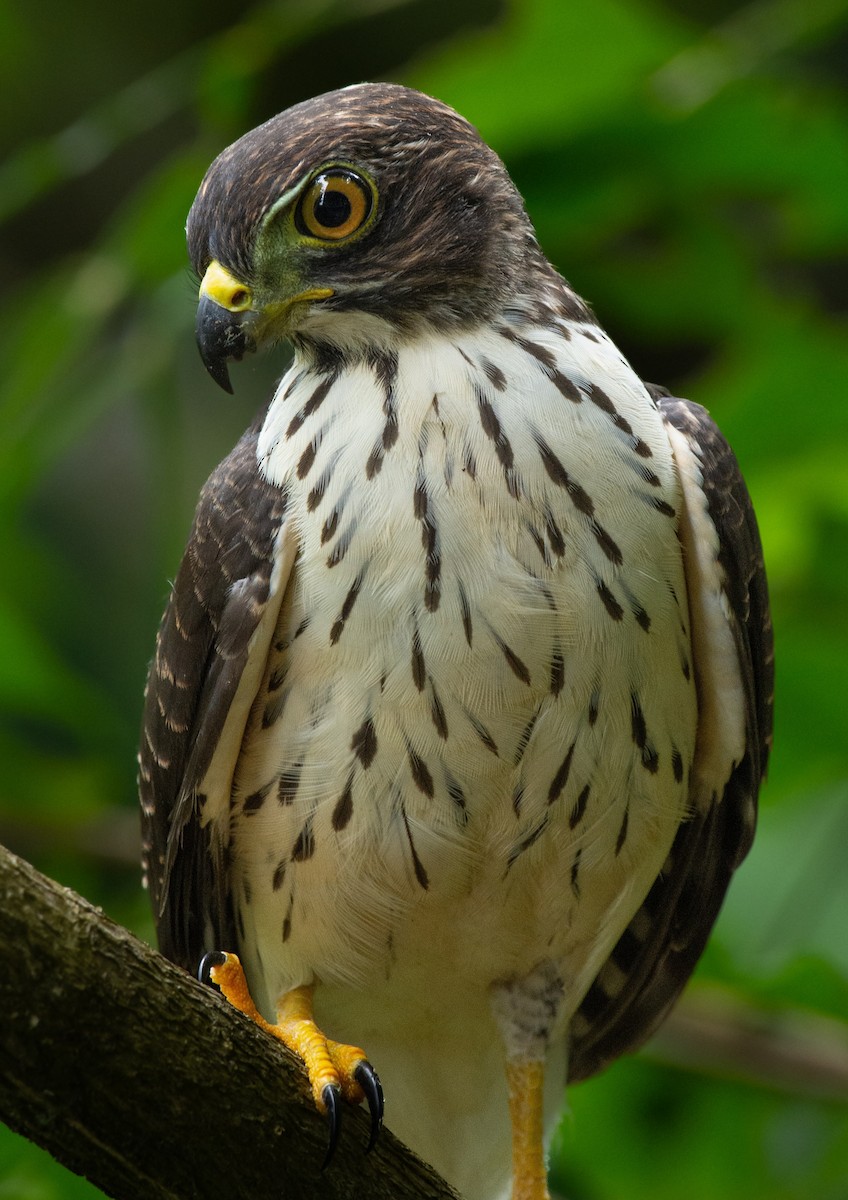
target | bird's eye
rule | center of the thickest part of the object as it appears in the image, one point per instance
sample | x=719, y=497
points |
x=335, y=205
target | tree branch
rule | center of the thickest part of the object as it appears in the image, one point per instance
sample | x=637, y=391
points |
x=131, y=1073
x=711, y=1031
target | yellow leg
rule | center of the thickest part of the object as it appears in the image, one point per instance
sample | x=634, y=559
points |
x=333, y=1068
x=529, y=1177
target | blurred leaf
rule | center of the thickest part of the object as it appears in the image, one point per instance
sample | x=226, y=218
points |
x=789, y=902
x=28, y=1173
x=559, y=68
x=33, y=679
x=642, y=1132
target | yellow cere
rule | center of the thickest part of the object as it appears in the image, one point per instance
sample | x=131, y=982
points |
x=221, y=285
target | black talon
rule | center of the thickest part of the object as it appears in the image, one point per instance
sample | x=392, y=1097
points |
x=369, y=1081
x=215, y=958
x=330, y=1096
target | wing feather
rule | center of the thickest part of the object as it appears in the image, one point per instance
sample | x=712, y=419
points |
x=211, y=650
x=657, y=953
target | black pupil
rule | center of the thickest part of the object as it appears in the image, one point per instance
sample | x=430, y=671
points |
x=332, y=208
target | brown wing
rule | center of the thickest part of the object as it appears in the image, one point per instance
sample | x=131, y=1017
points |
x=658, y=951
x=221, y=602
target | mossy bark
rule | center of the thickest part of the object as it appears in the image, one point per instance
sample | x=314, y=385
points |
x=131, y=1073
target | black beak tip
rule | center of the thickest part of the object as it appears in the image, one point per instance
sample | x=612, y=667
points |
x=221, y=335
x=219, y=371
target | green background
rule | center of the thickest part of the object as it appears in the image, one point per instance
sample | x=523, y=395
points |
x=686, y=165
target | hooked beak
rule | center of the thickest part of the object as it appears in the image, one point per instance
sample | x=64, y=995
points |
x=224, y=318
x=229, y=325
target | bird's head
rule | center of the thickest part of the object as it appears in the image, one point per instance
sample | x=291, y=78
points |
x=370, y=202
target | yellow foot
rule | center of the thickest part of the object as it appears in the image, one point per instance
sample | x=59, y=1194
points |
x=526, y=1084
x=335, y=1070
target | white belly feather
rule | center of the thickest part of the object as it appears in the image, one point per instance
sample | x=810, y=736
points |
x=478, y=723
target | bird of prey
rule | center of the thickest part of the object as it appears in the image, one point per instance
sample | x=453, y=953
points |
x=462, y=698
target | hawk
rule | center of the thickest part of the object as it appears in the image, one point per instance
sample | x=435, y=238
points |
x=462, y=697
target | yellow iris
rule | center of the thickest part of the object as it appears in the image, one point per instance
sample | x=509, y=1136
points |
x=335, y=205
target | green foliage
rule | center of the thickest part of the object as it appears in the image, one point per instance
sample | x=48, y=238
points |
x=686, y=168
